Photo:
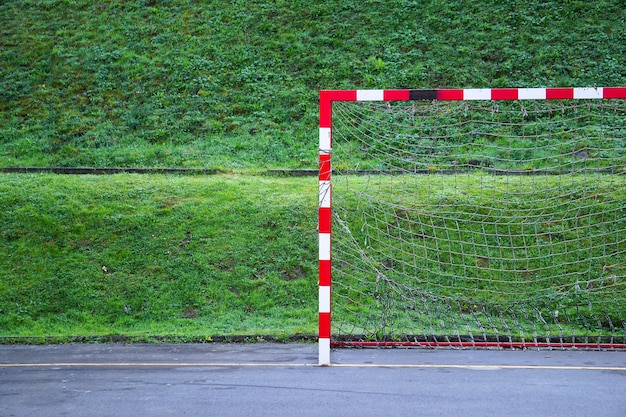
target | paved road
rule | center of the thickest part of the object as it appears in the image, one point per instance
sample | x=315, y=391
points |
x=282, y=380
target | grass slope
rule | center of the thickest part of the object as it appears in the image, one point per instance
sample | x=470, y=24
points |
x=184, y=83
x=204, y=84
x=156, y=255
x=418, y=253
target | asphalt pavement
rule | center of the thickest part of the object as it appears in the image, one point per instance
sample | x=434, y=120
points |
x=264, y=379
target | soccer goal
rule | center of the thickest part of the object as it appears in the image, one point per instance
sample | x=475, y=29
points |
x=472, y=218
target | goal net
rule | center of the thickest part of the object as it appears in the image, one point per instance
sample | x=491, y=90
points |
x=473, y=218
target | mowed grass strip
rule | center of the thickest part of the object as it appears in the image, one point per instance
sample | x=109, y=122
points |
x=157, y=255
x=499, y=254
x=199, y=256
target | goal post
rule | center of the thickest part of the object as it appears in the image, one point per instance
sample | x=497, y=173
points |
x=472, y=218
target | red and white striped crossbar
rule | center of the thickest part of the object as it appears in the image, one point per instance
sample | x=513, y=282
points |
x=327, y=97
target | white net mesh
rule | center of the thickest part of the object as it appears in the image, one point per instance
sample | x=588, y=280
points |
x=479, y=222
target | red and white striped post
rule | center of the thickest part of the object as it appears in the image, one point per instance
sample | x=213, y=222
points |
x=324, y=226
x=327, y=97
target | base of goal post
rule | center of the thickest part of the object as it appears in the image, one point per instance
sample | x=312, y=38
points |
x=324, y=352
x=589, y=156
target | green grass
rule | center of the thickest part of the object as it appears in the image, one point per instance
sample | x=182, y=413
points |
x=234, y=87
x=192, y=257
x=202, y=84
x=548, y=135
x=222, y=255
x=432, y=254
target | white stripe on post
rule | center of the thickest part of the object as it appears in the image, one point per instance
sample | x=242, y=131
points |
x=325, y=194
x=324, y=300
x=531, y=94
x=324, y=351
x=370, y=95
x=589, y=92
x=325, y=139
x=324, y=249
x=477, y=94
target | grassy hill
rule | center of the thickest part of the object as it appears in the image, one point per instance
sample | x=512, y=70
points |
x=230, y=86
x=205, y=84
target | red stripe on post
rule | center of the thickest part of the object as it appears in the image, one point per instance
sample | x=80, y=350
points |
x=326, y=99
x=400, y=95
x=338, y=95
x=449, y=94
x=324, y=326
x=326, y=109
x=325, y=274
x=559, y=93
x=504, y=94
x=325, y=216
x=325, y=167
x=614, y=92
